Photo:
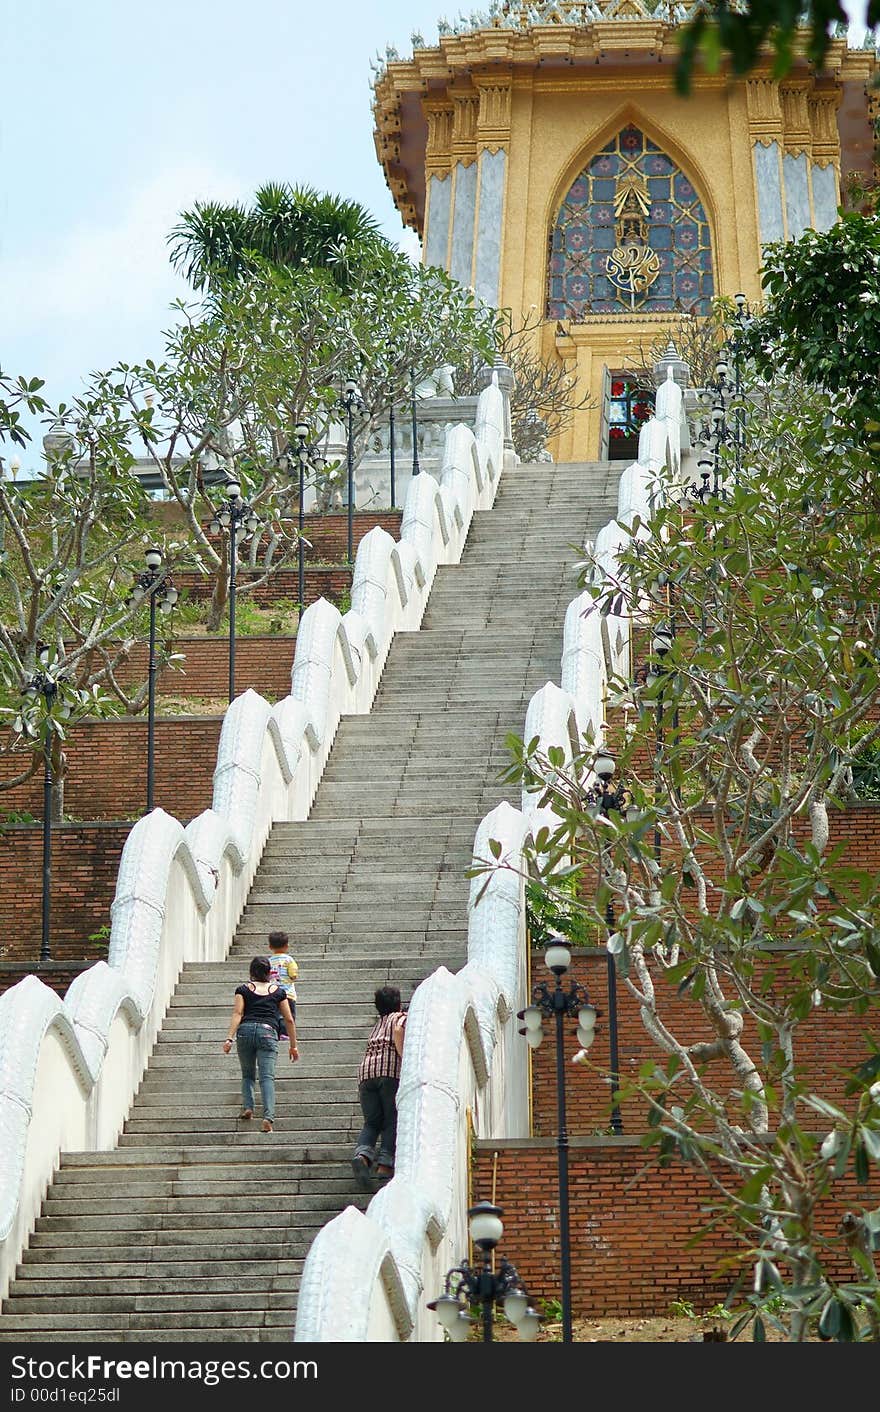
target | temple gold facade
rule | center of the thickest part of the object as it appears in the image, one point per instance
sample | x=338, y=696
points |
x=552, y=167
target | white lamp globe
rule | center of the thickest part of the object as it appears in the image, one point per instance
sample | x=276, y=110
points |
x=528, y=1326
x=587, y=1017
x=516, y=1304
x=604, y=765
x=485, y=1225
x=557, y=958
x=532, y=1017
x=447, y=1309
x=459, y=1330
x=534, y=1038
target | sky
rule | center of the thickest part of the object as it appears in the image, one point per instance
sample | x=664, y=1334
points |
x=117, y=116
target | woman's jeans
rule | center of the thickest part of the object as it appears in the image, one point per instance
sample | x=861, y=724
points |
x=257, y=1046
x=379, y=1106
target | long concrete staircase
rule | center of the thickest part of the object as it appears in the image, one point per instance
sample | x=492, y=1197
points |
x=196, y=1226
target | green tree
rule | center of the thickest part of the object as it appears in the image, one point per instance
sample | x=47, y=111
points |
x=291, y=226
x=66, y=539
x=743, y=32
x=822, y=319
x=737, y=919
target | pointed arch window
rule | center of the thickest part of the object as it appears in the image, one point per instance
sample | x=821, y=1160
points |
x=631, y=236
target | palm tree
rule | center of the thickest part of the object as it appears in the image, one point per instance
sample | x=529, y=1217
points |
x=286, y=225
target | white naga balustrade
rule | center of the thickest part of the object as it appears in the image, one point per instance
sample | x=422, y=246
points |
x=367, y=1276
x=69, y=1068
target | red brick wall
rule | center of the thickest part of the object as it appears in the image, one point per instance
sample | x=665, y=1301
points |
x=629, y=1223
x=107, y=769
x=827, y=1043
x=58, y=976
x=321, y=581
x=85, y=863
x=262, y=663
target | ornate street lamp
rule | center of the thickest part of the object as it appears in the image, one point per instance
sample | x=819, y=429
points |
x=352, y=402
x=662, y=639
x=560, y=1004
x=306, y=457
x=155, y=585
x=415, y=422
x=466, y=1285
x=47, y=684
x=602, y=798
x=722, y=392
x=391, y=453
x=230, y=514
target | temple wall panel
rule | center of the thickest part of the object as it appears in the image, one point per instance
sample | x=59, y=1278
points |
x=437, y=225
x=487, y=268
x=825, y=196
x=768, y=183
x=797, y=194
x=461, y=256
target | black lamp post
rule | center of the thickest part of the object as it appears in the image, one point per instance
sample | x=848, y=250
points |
x=352, y=402
x=47, y=684
x=233, y=512
x=305, y=456
x=661, y=641
x=604, y=798
x=415, y=422
x=720, y=392
x=466, y=1285
x=560, y=1004
x=391, y=452
x=159, y=589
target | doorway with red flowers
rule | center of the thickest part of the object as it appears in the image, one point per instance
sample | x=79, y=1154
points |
x=628, y=407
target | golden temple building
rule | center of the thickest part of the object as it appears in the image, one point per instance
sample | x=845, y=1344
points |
x=544, y=158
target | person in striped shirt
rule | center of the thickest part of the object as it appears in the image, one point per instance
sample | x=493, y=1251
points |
x=378, y=1078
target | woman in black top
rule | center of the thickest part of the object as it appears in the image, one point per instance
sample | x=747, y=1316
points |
x=254, y=1027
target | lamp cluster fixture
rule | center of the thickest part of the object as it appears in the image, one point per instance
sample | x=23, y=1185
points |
x=153, y=582
x=547, y=1002
x=48, y=682
x=603, y=796
x=722, y=396
x=466, y=1285
x=234, y=511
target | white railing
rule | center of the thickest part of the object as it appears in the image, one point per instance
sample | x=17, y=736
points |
x=367, y=1275
x=70, y=1068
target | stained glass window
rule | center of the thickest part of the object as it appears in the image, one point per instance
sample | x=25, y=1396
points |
x=631, y=234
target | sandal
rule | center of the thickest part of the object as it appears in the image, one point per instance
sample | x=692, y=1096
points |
x=268, y=1125
x=246, y=1113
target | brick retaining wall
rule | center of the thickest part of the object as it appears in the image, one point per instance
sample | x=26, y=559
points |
x=630, y=1224
x=827, y=1044
x=85, y=864
x=107, y=769
x=262, y=663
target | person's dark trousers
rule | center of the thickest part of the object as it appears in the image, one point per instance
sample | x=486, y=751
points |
x=379, y=1106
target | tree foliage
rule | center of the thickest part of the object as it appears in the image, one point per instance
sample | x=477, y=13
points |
x=822, y=320
x=725, y=893
x=742, y=33
x=295, y=227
